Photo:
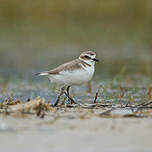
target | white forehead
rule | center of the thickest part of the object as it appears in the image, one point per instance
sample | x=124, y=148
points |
x=89, y=53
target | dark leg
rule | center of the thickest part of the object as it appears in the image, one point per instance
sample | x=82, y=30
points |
x=68, y=89
x=61, y=93
x=69, y=97
x=68, y=94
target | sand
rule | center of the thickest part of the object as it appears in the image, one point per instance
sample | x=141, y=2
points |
x=74, y=130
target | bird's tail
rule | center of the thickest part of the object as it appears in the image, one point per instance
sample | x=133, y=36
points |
x=41, y=73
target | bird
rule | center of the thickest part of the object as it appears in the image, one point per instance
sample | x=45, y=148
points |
x=75, y=72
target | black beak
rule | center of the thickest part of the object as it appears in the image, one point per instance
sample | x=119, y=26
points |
x=96, y=60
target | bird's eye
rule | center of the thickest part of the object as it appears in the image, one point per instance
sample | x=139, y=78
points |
x=87, y=57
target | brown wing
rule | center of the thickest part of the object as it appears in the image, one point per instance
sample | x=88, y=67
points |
x=69, y=66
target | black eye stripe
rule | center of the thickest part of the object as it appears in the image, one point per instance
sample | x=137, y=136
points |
x=87, y=57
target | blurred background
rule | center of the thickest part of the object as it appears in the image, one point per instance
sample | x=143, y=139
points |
x=40, y=34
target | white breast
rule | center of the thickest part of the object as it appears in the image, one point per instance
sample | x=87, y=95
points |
x=75, y=77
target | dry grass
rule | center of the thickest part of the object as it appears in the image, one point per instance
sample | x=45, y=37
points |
x=109, y=110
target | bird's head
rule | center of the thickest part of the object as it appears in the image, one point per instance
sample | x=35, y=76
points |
x=88, y=57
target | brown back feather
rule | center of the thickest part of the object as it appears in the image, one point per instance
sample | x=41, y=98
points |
x=69, y=66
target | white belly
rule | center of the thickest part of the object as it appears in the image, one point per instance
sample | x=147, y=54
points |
x=75, y=77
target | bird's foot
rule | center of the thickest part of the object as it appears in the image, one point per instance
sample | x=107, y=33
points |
x=70, y=99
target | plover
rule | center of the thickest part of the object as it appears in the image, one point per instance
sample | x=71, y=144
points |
x=75, y=72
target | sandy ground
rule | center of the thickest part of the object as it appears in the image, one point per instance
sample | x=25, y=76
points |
x=74, y=130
